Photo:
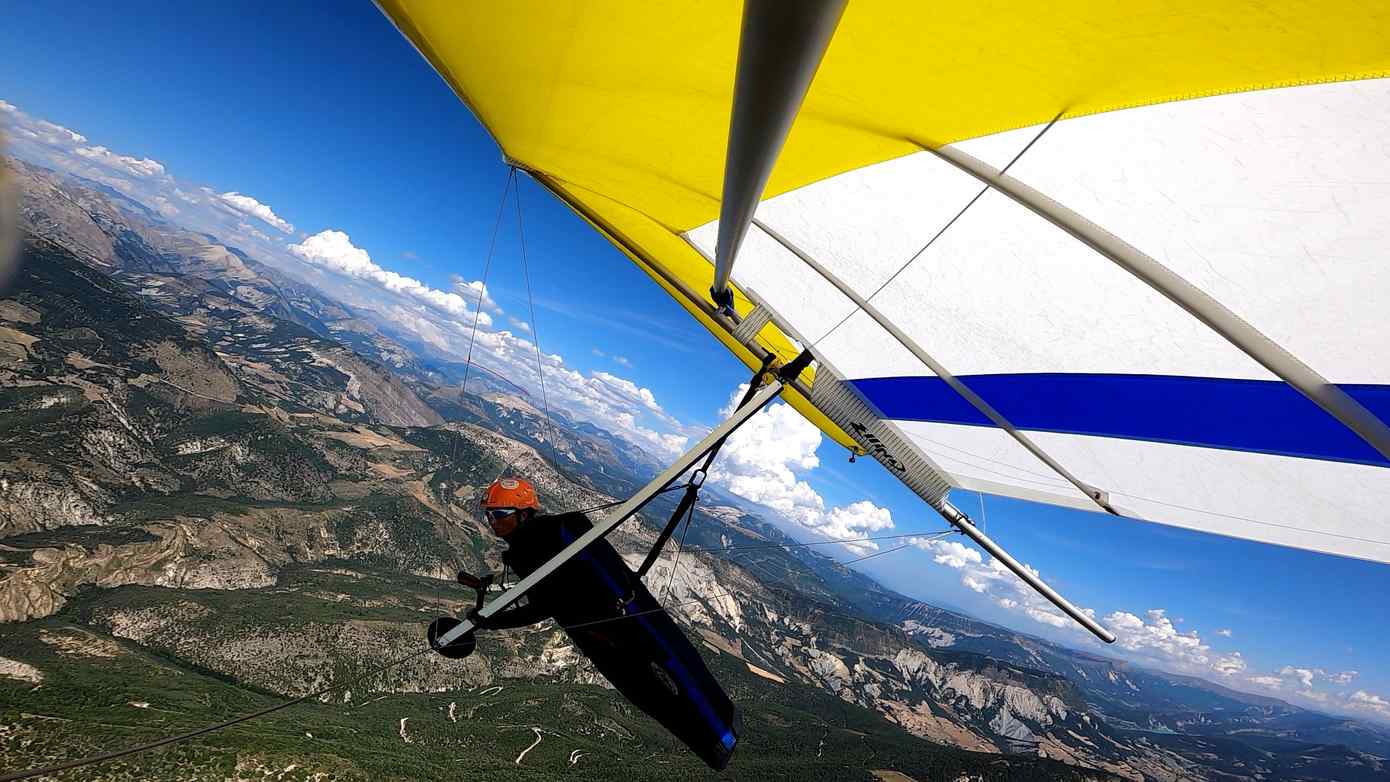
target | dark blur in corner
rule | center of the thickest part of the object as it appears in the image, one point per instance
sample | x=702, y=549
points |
x=9, y=220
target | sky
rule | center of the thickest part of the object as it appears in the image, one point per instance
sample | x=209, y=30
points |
x=320, y=142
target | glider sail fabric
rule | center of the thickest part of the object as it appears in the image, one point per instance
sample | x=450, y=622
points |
x=1237, y=149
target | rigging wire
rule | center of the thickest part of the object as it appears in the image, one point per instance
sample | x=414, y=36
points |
x=614, y=503
x=535, y=327
x=877, y=554
x=943, y=230
x=924, y=535
x=482, y=292
x=676, y=560
x=166, y=741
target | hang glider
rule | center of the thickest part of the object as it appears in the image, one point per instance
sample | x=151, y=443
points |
x=1168, y=305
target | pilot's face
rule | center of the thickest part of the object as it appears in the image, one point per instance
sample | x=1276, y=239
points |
x=502, y=520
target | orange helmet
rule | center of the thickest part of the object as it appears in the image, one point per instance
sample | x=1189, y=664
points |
x=510, y=493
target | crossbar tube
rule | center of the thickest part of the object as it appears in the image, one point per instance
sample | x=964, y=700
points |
x=962, y=522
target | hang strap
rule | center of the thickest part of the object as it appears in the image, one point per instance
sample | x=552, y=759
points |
x=686, y=507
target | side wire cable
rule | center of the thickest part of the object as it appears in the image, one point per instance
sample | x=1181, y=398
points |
x=535, y=327
x=676, y=560
x=943, y=230
x=182, y=737
x=482, y=294
x=924, y=535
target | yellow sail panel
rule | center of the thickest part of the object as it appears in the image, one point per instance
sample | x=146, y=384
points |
x=632, y=100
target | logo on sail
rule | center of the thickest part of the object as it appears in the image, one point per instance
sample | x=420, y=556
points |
x=876, y=447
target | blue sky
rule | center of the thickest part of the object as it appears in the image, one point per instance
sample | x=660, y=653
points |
x=332, y=120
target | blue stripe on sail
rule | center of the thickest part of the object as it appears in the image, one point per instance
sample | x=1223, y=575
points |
x=1264, y=416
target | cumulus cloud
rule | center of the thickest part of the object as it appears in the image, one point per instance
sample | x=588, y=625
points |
x=614, y=403
x=250, y=206
x=1302, y=675
x=1319, y=686
x=951, y=553
x=1229, y=664
x=990, y=577
x=764, y=462
x=143, y=167
x=1366, y=701
x=39, y=130
x=622, y=361
x=1224, y=632
x=520, y=325
x=334, y=250
x=470, y=290
x=1304, y=679
x=1156, y=636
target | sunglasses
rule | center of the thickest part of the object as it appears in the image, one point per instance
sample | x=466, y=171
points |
x=495, y=515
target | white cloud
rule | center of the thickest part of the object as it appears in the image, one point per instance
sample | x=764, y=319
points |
x=1047, y=617
x=1228, y=664
x=622, y=361
x=250, y=206
x=141, y=167
x=1302, y=675
x=951, y=553
x=764, y=462
x=1224, y=632
x=470, y=289
x=1157, y=638
x=856, y=520
x=1366, y=701
x=1312, y=684
x=335, y=251
x=520, y=325
x=990, y=577
x=40, y=130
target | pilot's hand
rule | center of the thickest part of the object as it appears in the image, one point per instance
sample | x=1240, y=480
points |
x=476, y=618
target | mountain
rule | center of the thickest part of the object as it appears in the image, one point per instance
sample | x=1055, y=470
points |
x=219, y=486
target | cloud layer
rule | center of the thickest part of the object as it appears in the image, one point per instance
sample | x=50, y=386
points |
x=1153, y=638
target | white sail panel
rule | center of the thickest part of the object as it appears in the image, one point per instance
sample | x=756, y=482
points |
x=1333, y=507
x=882, y=215
x=988, y=459
x=1276, y=203
x=1004, y=291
